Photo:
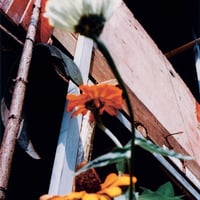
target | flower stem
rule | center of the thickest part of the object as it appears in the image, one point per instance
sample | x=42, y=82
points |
x=114, y=69
x=109, y=134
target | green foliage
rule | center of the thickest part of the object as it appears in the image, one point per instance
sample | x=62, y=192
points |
x=164, y=192
x=121, y=154
x=116, y=156
x=125, y=196
x=152, y=148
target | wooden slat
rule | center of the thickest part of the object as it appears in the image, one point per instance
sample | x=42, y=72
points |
x=65, y=158
x=69, y=138
x=19, y=12
x=161, y=100
x=13, y=10
x=4, y=4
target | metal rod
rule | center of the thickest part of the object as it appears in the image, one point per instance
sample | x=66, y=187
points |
x=13, y=124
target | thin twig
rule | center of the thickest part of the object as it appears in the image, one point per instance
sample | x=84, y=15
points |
x=11, y=35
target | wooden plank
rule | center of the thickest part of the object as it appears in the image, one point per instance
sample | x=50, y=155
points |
x=161, y=100
x=68, y=40
x=13, y=10
x=151, y=77
x=66, y=152
x=4, y=4
x=20, y=15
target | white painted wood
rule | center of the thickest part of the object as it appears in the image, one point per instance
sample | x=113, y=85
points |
x=197, y=62
x=83, y=55
x=86, y=133
x=65, y=157
x=69, y=138
x=87, y=136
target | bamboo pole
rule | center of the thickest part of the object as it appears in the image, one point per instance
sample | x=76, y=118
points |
x=13, y=124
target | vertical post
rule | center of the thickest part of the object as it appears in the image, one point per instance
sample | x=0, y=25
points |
x=13, y=124
x=69, y=138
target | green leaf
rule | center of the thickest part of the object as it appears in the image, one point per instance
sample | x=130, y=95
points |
x=149, y=146
x=166, y=189
x=61, y=59
x=113, y=157
x=121, y=166
x=164, y=192
x=120, y=154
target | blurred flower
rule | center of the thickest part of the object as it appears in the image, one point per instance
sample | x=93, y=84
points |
x=96, y=99
x=83, y=16
x=109, y=189
x=113, y=183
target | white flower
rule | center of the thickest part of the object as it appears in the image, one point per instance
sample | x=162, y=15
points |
x=83, y=16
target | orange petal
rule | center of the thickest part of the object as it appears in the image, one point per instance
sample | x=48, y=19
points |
x=56, y=197
x=76, y=195
x=110, y=110
x=198, y=111
x=90, y=196
x=111, y=191
x=97, y=103
x=45, y=197
x=110, y=179
x=81, y=110
x=124, y=181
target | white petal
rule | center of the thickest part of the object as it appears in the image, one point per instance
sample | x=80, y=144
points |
x=64, y=14
x=109, y=6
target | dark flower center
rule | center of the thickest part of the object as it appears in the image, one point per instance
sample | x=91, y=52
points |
x=90, y=105
x=90, y=25
x=95, y=110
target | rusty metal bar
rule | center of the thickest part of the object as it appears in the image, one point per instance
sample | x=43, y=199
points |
x=13, y=124
x=181, y=49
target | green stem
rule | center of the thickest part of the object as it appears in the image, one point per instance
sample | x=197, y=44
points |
x=109, y=134
x=114, y=69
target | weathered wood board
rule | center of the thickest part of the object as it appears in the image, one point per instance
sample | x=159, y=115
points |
x=161, y=100
x=20, y=16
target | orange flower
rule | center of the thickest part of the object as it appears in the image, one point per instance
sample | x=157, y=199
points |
x=109, y=189
x=112, y=184
x=96, y=99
